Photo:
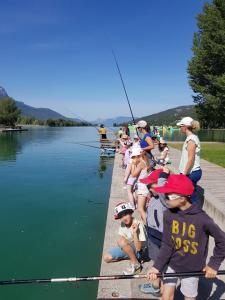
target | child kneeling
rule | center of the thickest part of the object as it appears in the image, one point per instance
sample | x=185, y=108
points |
x=131, y=242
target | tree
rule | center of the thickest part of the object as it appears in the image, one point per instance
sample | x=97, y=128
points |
x=207, y=67
x=9, y=113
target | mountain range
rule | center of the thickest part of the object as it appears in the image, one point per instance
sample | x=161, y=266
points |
x=166, y=117
x=36, y=113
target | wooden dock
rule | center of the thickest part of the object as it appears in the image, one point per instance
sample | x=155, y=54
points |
x=213, y=182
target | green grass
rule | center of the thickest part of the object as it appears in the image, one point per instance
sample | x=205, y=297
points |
x=213, y=152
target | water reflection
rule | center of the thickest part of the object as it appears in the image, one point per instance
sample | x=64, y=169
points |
x=104, y=163
x=10, y=145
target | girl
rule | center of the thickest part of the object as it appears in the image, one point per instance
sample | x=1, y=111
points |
x=190, y=156
x=140, y=168
x=129, y=180
x=163, y=159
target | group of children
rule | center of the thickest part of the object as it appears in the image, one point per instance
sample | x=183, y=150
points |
x=173, y=230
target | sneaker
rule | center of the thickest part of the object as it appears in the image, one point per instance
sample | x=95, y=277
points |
x=133, y=269
x=148, y=288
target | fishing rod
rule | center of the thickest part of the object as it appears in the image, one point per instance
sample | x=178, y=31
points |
x=124, y=88
x=96, y=147
x=85, y=145
x=98, y=278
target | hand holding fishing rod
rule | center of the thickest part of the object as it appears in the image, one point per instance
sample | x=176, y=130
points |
x=107, y=277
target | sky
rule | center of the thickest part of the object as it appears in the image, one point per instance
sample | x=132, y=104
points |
x=57, y=54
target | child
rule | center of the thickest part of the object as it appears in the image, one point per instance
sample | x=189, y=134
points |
x=163, y=159
x=185, y=240
x=155, y=210
x=129, y=180
x=131, y=239
x=140, y=168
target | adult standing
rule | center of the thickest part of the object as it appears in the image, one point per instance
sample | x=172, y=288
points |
x=190, y=157
x=102, y=131
x=146, y=142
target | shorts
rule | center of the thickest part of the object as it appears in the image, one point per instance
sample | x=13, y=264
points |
x=188, y=285
x=118, y=254
x=131, y=180
x=142, y=189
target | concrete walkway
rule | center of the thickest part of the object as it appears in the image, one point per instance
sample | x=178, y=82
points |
x=213, y=183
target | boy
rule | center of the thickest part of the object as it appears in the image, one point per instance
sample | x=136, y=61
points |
x=185, y=240
x=155, y=210
x=131, y=239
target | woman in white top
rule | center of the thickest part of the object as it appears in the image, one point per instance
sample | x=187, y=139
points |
x=190, y=157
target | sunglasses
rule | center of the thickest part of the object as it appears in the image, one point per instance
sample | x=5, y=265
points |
x=172, y=197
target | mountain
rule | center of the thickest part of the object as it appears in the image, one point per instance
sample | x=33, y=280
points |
x=171, y=116
x=38, y=113
x=3, y=93
x=110, y=122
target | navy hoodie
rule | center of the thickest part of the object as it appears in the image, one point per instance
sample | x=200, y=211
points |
x=185, y=241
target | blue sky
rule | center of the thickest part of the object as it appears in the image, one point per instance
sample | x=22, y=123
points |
x=57, y=54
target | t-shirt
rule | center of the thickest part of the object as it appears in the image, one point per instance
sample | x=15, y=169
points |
x=127, y=232
x=165, y=153
x=184, y=154
x=143, y=142
x=102, y=130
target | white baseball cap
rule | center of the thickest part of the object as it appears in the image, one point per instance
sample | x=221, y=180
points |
x=186, y=121
x=123, y=208
x=141, y=124
x=136, y=151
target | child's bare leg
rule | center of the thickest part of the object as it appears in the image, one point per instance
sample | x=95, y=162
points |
x=142, y=207
x=130, y=194
x=168, y=292
x=123, y=243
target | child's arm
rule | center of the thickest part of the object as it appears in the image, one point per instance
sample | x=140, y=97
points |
x=136, y=169
x=137, y=242
x=218, y=256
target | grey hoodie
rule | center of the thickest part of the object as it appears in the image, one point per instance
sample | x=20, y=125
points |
x=155, y=210
x=185, y=241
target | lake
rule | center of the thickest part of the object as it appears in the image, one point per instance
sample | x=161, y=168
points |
x=54, y=197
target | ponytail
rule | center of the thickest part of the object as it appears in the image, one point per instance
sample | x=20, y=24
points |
x=195, y=125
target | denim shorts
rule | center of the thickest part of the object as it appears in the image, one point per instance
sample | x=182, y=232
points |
x=118, y=254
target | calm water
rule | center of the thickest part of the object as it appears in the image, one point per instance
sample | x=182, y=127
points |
x=54, y=197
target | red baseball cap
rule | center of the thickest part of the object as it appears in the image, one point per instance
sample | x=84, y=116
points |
x=152, y=178
x=177, y=184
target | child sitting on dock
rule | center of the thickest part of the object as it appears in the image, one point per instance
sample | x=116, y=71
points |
x=163, y=159
x=132, y=238
x=185, y=240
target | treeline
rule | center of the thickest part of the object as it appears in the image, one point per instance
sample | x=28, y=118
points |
x=50, y=122
x=206, y=69
x=10, y=116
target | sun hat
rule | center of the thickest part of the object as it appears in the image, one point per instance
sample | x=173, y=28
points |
x=162, y=141
x=152, y=178
x=121, y=209
x=186, y=121
x=136, y=151
x=177, y=184
x=141, y=124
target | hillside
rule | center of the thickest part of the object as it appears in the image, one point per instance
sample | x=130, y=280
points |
x=38, y=113
x=111, y=121
x=171, y=116
x=33, y=112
